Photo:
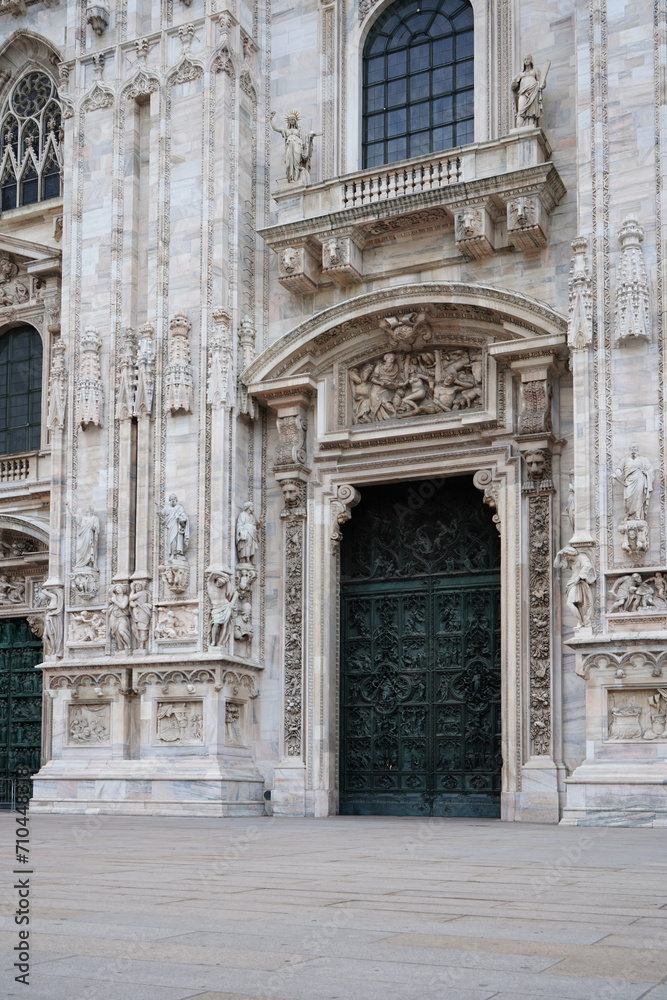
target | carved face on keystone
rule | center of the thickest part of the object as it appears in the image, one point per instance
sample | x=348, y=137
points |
x=535, y=460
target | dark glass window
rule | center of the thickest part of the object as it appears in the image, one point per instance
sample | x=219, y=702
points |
x=30, y=138
x=20, y=390
x=418, y=80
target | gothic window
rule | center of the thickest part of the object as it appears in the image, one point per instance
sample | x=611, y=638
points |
x=418, y=80
x=30, y=135
x=20, y=390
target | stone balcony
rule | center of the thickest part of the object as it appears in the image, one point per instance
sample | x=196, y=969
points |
x=494, y=195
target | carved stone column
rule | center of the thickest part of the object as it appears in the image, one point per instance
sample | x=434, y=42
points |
x=542, y=773
x=579, y=339
x=290, y=400
x=220, y=399
x=54, y=587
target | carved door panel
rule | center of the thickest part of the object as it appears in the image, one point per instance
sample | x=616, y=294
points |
x=420, y=669
x=20, y=697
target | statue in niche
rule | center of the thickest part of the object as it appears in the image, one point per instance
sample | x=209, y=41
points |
x=87, y=536
x=119, y=616
x=579, y=586
x=176, y=526
x=53, y=621
x=635, y=475
x=224, y=597
x=527, y=88
x=140, y=610
x=298, y=148
x=85, y=575
x=396, y=386
x=247, y=533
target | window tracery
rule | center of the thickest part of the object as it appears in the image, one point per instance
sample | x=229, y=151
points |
x=20, y=390
x=418, y=80
x=31, y=142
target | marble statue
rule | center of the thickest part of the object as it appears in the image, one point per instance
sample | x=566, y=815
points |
x=298, y=148
x=247, y=533
x=87, y=536
x=579, y=586
x=140, y=610
x=119, y=616
x=53, y=621
x=176, y=527
x=636, y=477
x=527, y=87
x=571, y=502
x=223, y=597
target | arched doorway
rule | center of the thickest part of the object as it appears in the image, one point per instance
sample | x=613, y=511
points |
x=420, y=653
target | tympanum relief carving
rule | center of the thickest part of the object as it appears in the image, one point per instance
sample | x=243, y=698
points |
x=404, y=383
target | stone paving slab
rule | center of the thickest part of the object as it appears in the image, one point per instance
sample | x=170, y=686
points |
x=348, y=908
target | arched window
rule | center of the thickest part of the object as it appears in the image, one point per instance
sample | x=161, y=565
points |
x=418, y=80
x=20, y=390
x=30, y=137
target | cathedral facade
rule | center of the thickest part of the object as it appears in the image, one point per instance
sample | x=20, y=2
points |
x=333, y=409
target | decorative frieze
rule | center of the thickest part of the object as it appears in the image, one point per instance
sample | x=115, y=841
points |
x=89, y=382
x=539, y=623
x=178, y=381
x=293, y=639
x=633, y=319
x=580, y=289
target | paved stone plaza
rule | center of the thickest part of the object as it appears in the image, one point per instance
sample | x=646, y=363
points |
x=339, y=909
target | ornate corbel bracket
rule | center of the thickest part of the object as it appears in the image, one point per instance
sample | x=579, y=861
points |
x=341, y=508
x=484, y=481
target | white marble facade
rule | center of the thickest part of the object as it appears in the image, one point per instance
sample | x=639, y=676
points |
x=209, y=330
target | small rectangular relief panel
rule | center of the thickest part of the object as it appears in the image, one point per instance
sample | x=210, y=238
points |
x=637, y=714
x=179, y=723
x=88, y=725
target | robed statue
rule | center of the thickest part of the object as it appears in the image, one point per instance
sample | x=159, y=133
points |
x=87, y=535
x=527, y=88
x=247, y=533
x=636, y=476
x=176, y=527
x=298, y=148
